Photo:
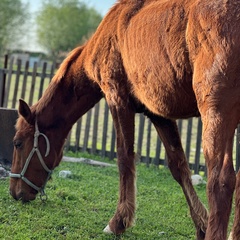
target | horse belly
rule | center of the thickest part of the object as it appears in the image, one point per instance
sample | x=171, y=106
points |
x=155, y=58
x=168, y=101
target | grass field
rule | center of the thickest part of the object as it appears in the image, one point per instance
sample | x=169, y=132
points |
x=80, y=207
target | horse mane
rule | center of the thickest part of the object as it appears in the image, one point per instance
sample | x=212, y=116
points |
x=73, y=55
x=131, y=1
x=61, y=72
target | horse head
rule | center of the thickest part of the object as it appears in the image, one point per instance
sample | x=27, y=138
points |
x=42, y=129
x=33, y=157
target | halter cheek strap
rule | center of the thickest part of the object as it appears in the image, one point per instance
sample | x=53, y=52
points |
x=35, y=149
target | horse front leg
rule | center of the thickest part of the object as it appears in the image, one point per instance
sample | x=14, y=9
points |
x=178, y=165
x=235, y=234
x=123, y=118
x=218, y=136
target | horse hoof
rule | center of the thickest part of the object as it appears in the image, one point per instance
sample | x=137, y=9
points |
x=107, y=230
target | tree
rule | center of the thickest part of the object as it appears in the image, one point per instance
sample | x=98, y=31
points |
x=13, y=14
x=63, y=24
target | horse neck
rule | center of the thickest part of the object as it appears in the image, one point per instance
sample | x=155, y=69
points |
x=67, y=98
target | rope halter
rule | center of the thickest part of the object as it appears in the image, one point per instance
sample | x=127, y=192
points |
x=35, y=149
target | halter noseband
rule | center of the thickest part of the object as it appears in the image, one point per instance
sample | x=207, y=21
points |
x=37, y=134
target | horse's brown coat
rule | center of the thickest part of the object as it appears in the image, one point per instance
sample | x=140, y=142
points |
x=169, y=59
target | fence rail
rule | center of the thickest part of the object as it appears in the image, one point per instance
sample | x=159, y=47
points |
x=94, y=132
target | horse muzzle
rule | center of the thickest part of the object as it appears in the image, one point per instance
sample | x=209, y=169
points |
x=21, y=194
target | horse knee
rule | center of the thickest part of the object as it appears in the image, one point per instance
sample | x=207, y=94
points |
x=228, y=182
x=224, y=182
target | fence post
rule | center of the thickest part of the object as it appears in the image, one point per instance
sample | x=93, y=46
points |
x=2, y=87
x=8, y=82
x=3, y=80
x=105, y=129
x=189, y=138
x=16, y=87
x=140, y=134
x=198, y=147
x=238, y=149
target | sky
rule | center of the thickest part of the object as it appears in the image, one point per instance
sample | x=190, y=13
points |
x=102, y=6
x=29, y=40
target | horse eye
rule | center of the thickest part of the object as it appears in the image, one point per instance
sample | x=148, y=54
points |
x=17, y=143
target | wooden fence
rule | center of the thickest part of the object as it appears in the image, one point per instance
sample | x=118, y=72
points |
x=94, y=132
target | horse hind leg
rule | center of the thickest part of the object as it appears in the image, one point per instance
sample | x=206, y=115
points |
x=168, y=132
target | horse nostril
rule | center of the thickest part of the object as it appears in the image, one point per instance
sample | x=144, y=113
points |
x=17, y=195
x=13, y=194
x=21, y=197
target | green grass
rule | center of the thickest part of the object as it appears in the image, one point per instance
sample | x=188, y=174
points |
x=80, y=207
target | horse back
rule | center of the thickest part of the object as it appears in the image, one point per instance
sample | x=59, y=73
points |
x=152, y=49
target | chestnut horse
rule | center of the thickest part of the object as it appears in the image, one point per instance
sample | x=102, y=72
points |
x=169, y=59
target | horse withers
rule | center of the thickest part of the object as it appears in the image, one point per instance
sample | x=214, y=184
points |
x=169, y=59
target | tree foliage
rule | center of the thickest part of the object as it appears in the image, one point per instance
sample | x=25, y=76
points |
x=62, y=25
x=13, y=14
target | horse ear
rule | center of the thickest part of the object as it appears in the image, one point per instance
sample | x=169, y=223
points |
x=24, y=111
